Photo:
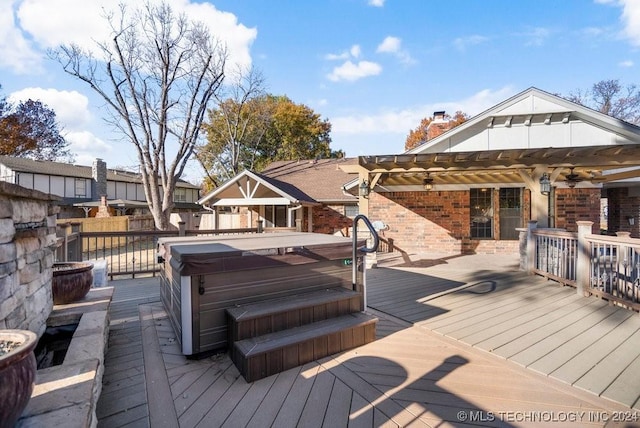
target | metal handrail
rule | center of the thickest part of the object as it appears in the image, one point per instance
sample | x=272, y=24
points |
x=364, y=249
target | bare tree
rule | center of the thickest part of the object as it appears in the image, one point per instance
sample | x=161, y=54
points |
x=611, y=98
x=157, y=75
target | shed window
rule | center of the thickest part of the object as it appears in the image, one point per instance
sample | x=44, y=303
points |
x=351, y=210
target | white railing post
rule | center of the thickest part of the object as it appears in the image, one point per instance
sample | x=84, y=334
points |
x=531, y=246
x=583, y=268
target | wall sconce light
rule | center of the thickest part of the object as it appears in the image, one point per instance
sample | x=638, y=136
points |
x=631, y=220
x=364, y=189
x=545, y=184
x=428, y=183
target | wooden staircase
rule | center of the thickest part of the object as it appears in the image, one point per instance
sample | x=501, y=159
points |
x=271, y=336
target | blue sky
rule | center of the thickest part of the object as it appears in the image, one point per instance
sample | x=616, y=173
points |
x=373, y=68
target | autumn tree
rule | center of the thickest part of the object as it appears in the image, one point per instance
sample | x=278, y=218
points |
x=295, y=132
x=250, y=132
x=421, y=134
x=157, y=75
x=612, y=98
x=30, y=130
x=235, y=128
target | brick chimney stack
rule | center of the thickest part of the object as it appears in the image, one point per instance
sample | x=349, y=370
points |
x=438, y=125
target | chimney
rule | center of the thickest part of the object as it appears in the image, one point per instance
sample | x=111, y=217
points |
x=103, y=209
x=439, y=125
x=99, y=182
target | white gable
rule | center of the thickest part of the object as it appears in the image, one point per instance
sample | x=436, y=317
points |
x=533, y=119
x=532, y=104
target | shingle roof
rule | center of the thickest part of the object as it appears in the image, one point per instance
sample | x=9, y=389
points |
x=319, y=180
x=69, y=170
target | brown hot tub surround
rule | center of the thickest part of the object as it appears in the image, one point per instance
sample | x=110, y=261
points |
x=240, y=293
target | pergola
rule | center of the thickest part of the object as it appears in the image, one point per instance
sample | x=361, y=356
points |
x=120, y=205
x=592, y=166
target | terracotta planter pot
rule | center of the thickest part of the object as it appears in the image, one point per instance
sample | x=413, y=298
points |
x=71, y=281
x=17, y=373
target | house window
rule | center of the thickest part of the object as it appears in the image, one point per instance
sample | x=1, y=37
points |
x=351, y=210
x=481, y=202
x=80, y=188
x=180, y=195
x=275, y=216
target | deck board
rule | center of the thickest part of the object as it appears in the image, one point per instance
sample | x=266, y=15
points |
x=428, y=363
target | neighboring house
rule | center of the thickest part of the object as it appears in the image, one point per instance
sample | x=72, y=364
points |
x=82, y=188
x=535, y=156
x=305, y=194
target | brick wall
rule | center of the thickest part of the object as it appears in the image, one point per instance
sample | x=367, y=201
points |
x=27, y=244
x=437, y=222
x=329, y=219
x=623, y=204
x=423, y=221
x=572, y=205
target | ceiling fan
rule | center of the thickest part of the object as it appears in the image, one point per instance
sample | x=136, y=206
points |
x=572, y=178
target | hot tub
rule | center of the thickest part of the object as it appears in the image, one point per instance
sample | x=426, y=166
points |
x=202, y=278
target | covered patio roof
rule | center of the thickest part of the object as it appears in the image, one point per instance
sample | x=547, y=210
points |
x=595, y=164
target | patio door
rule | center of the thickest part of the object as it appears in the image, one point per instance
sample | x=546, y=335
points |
x=510, y=212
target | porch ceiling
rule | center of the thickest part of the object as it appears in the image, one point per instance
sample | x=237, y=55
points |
x=505, y=166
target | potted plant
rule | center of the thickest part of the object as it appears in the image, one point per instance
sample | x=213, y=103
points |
x=17, y=373
x=71, y=281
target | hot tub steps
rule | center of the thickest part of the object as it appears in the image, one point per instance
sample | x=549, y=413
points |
x=272, y=353
x=274, y=315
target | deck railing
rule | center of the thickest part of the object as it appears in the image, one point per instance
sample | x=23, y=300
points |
x=615, y=269
x=556, y=255
x=127, y=253
x=604, y=266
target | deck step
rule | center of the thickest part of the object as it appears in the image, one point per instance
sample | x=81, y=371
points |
x=270, y=316
x=272, y=353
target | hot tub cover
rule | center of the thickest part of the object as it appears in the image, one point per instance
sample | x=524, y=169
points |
x=264, y=250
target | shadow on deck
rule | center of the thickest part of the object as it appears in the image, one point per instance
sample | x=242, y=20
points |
x=420, y=371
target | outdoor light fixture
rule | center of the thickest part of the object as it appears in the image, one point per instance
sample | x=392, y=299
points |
x=364, y=189
x=427, y=183
x=631, y=220
x=545, y=184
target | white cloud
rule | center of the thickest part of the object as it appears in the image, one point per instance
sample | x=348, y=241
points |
x=537, y=36
x=48, y=23
x=461, y=43
x=354, y=52
x=18, y=54
x=71, y=107
x=393, y=45
x=631, y=20
x=626, y=64
x=376, y=3
x=86, y=143
x=354, y=71
x=390, y=44
x=402, y=121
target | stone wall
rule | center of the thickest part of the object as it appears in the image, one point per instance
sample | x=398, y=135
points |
x=27, y=244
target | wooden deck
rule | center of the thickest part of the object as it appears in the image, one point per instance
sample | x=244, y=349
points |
x=429, y=366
